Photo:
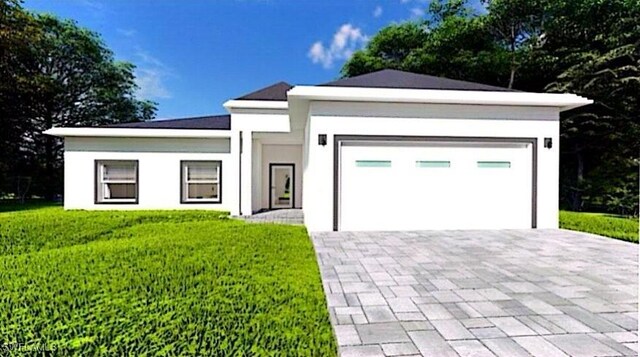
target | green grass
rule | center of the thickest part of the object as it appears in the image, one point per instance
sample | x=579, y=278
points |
x=158, y=283
x=624, y=228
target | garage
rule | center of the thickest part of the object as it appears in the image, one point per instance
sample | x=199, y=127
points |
x=435, y=183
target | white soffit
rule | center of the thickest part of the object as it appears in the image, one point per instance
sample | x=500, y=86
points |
x=139, y=133
x=255, y=104
x=357, y=94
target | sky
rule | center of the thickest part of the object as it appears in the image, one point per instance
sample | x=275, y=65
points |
x=192, y=56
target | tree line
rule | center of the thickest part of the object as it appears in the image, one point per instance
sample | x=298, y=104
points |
x=587, y=47
x=54, y=73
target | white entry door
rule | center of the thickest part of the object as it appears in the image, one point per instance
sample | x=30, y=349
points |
x=281, y=183
x=439, y=185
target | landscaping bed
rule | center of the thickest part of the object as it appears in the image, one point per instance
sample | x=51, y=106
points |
x=158, y=283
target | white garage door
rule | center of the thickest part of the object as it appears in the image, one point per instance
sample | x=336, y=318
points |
x=436, y=185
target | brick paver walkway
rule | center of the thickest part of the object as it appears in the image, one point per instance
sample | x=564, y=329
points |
x=284, y=216
x=480, y=293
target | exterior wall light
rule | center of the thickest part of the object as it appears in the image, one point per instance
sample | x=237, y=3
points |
x=322, y=139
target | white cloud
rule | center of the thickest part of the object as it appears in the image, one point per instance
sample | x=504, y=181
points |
x=151, y=84
x=92, y=5
x=129, y=33
x=100, y=10
x=417, y=12
x=417, y=8
x=345, y=41
x=151, y=74
x=377, y=12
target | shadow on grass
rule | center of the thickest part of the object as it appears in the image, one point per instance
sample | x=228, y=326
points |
x=613, y=215
x=15, y=206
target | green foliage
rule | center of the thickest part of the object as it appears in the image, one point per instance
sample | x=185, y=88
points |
x=392, y=47
x=619, y=227
x=516, y=26
x=602, y=139
x=453, y=42
x=153, y=283
x=55, y=73
x=588, y=47
x=442, y=10
x=461, y=48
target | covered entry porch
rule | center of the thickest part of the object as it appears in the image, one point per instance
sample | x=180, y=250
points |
x=274, y=180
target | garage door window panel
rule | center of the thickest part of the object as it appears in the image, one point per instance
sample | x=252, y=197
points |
x=494, y=164
x=373, y=163
x=433, y=164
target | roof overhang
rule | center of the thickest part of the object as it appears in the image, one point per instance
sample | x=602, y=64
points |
x=138, y=133
x=355, y=94
x=255, y=104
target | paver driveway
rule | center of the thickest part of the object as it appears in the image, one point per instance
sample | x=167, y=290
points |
x=480, y=293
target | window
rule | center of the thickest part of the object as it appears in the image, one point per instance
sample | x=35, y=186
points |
x=373, y=163
x=117, y=181
x=433, y=164
x=200, y=181
x=494, y=164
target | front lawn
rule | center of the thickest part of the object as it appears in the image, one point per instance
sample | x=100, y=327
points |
x=158, y=283
x=625, y=228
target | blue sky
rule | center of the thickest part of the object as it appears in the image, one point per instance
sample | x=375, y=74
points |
x=191, y=56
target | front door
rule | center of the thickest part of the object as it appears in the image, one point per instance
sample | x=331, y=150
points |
x=281, y=181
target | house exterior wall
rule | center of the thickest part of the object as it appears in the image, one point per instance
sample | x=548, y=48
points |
x=392, y=119
x=158, y=170
x=281, y=154
x=261, y=120
x=273, y=138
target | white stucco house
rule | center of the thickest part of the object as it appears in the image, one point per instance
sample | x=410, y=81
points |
x=388, y=150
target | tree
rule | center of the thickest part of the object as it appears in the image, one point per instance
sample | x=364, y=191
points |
x=517, y=27
x=59, y=75
x=460, y=47
x=600, y=142
x=603, y=139
x=390, y=48
x=17, y=30
x=452, y=42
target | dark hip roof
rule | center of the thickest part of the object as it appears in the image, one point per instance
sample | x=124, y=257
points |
x=275, y=92
x=212, y=122
x=391, y=78
x=386, y=78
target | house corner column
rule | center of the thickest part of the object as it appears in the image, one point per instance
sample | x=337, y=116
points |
x=246, y=170
x=231, y=171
